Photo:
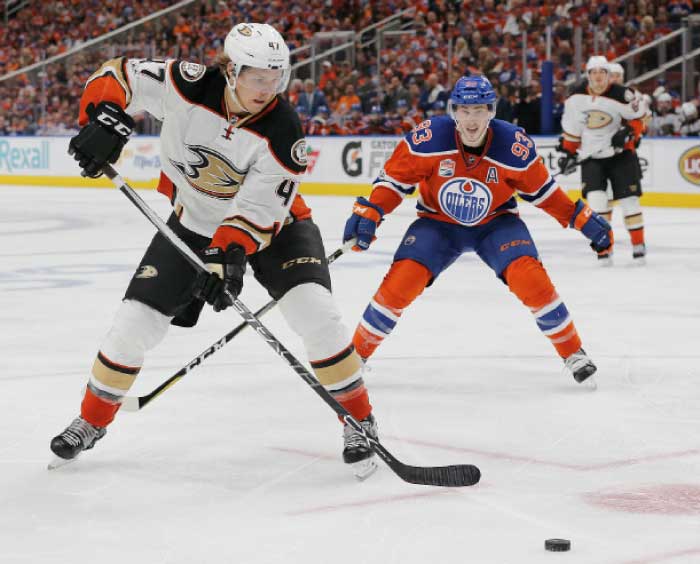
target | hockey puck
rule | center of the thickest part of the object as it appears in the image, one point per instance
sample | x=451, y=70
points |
x=557, y=545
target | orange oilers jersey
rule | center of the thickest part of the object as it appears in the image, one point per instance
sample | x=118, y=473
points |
x=458, y=187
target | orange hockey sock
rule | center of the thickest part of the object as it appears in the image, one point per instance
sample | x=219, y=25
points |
x=528, y=280
x=356, y=401
x=404, y=282
x=98, y=411
x=635, y=225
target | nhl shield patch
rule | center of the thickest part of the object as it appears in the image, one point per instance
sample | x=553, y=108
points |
x=446, y=168
x=192, y=72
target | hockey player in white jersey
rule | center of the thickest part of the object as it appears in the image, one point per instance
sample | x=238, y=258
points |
x=601, y=125
x=232, y=153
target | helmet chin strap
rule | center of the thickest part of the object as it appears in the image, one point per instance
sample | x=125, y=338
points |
x=232, y=90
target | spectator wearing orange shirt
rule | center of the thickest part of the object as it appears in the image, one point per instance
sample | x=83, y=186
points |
x=327, y=74
x=347, y=100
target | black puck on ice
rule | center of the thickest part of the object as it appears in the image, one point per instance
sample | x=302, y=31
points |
x=557, y=545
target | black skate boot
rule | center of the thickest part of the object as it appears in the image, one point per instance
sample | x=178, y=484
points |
x=77, y=437
x=580, y=365
x=357, y=451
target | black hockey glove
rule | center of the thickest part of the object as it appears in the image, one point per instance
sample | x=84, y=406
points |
x=622, y=136
x=101, y=141
x=224, y=281
x=567, y=164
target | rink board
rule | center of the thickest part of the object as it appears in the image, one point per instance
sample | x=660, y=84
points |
x=342, y=165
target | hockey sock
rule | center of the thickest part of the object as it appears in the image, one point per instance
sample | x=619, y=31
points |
x=599, y=203
x=311, y=313
x=404, y=282
x=529, y=281
x=634, y=220
x=108, y=384
x=635, y=226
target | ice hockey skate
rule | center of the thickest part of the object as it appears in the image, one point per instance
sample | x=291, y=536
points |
x=639, y=253
x=357, y=452
x=581, y=367
x=77, y=437
x=605, y=260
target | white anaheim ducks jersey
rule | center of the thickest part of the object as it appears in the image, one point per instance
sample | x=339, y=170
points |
x=242, y=173
x=593, y=120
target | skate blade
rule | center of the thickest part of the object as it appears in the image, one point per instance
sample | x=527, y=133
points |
x=365, y=468
x=57, y=462
x=590, y=384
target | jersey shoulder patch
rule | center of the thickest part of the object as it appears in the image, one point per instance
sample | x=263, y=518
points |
x=510, y=145
x=433, y=136
x=199, y=84
x=281, y=127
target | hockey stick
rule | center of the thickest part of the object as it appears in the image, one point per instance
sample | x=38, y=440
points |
x=451, y=476
x=136, y=403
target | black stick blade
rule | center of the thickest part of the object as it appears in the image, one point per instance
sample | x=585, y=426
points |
x=456, y=476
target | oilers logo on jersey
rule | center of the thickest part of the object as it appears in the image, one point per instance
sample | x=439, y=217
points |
x=465, y=200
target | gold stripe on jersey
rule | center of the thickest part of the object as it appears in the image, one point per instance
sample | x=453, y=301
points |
x=634, y=221
x=211, y=173
x=113, y=68
x=330, y=374
x=570, y=137
x=112, y=375
x=263, y=236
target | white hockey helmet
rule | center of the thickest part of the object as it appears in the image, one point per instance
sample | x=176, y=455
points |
x=597, y=62
x=616, y=68
x=689, y=110
x=260, y=46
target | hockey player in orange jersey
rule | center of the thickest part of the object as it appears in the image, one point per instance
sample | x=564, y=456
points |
x=468, y=168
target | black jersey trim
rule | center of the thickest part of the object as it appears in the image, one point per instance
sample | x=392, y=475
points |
x=280, y=127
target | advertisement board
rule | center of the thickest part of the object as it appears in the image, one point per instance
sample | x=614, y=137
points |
x=342, y=165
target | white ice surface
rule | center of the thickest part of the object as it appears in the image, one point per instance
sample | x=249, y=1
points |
x=240, y=461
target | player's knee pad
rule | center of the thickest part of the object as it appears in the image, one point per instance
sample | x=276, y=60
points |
x=630, y=206
x=404, y=282
x=311, y=312
x=527, y=279
x=598, y=201
x=136, y=329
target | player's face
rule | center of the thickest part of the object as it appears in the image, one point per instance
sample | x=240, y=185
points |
x=598, y=79
x=615, y=78
x=256, y=87
x=472, y=123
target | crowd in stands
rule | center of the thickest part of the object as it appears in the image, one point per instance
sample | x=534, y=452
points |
x=445, y=40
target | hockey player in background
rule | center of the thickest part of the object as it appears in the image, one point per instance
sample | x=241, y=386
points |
x=232, y=152
x=468, y=168
x=635, y=128
x=601, y=126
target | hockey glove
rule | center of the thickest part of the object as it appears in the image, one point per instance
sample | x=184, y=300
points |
x=594, y=227
x=363, y=223
x=622, y=136
x=224, y=281
x=567, y=164
x=101, y=141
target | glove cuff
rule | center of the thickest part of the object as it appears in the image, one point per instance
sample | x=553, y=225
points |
x=112, y=116
x=581, y=215
x=364, y=208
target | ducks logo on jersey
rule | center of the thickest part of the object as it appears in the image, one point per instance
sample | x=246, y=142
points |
x=212, y=174
x=596, y=119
